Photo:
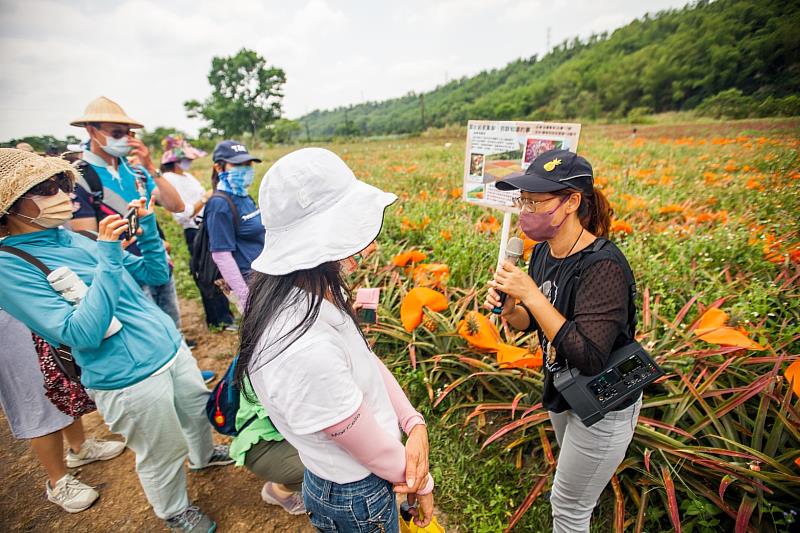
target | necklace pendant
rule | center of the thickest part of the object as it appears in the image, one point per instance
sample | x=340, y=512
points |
x=551, y=354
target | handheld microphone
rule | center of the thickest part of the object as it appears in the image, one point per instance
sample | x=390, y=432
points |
x=514, y=250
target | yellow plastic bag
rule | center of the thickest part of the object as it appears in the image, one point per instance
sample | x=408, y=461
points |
x=407, y=524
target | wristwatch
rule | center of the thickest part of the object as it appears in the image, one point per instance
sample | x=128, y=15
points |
x=157, y=173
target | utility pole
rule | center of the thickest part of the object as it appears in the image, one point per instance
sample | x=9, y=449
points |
x=422, y=110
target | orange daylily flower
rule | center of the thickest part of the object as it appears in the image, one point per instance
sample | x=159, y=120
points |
x=527, y=246
x=712, y=329
x=488, y=225
x=431, y=275
x=511, y=356
x=672, y=208
x=456, y=193
x=446, y=234
x=618, y=226
x=479, y=331
x=413, y=303
x=412, y=256
x=792, y=375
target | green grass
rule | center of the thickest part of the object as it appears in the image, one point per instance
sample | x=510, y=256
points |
x=737, y=186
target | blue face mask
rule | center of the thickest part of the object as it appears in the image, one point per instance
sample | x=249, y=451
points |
x=237, y=180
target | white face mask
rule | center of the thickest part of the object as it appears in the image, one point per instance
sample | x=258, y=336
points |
x=116, y=147
x=185, y=164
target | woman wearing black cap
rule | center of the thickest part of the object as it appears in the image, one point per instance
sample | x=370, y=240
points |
x=235, y=232
x=576, y=295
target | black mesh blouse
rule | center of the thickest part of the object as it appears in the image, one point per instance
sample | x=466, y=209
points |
x=597, y=315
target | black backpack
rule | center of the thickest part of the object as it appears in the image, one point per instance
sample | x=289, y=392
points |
x=204, y=269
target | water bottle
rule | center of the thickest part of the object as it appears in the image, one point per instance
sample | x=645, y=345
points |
x=72, y=288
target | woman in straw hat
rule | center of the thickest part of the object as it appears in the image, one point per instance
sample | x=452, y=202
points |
x=309, y=363
x=140, y=374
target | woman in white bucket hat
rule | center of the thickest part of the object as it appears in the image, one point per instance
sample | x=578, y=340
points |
x=307, y=359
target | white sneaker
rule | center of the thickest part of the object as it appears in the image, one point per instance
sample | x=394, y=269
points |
x=94, y=450
x=71, y=495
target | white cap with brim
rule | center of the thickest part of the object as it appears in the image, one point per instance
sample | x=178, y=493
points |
x=315, y=210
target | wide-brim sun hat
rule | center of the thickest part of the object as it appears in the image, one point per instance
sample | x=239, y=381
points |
x=314, y=211
x=176, y=148
x=552, y=171
x=103, y=109
x=21, y=170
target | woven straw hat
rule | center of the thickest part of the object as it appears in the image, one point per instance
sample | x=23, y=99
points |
x=104, y=110
x=21, y=170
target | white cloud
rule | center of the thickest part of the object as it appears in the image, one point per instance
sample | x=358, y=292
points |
x=151, y=56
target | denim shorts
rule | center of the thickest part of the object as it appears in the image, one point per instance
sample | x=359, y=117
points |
x=366, y=506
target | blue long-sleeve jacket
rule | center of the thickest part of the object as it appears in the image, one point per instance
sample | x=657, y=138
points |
x=148, y=338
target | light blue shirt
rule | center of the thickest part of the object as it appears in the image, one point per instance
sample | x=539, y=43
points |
x=148, y=338
x=119, y=185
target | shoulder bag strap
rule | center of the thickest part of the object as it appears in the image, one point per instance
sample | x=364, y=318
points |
x=25, y=256
x=233, y=208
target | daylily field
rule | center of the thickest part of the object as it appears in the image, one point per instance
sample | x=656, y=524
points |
x=707, y=215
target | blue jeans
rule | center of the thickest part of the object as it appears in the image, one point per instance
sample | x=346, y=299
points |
x=366, y=506
x=166, y=297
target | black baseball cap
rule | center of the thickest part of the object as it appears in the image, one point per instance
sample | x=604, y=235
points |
x=553, y=170
x=232, y=152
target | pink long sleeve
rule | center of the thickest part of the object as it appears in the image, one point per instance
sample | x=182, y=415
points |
x=362, y=437
x=232, y=275
x=406, y=414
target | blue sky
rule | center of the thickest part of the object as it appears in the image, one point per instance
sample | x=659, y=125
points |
x=151, y=56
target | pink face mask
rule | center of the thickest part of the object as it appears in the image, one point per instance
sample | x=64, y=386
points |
x=539, y=226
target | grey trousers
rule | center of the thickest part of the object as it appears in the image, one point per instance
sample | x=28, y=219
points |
x=587, y=459
x=163, y=420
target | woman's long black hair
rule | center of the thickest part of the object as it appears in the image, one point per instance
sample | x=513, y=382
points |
x=272, y=295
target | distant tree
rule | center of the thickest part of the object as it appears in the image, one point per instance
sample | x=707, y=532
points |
x=43, y=143
x=246, y=95
x=285, y=131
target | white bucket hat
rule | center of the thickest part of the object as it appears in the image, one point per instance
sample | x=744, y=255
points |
x=314, y=211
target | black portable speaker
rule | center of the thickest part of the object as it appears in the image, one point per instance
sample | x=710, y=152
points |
x=628, y=371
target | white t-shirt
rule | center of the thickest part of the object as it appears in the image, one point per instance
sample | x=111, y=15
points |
x=191, y=191
x=318, y=381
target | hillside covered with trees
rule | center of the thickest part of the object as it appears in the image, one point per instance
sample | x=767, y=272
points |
x=733, y=58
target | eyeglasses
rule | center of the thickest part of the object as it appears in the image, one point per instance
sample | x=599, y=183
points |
x=117, y=132
x=50, y=187
x=530, y=205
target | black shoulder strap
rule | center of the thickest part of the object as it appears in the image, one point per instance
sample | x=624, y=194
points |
x=91, y=177
x=589, y=256
x=232, y=206
x=25, y=256
x=62, y=356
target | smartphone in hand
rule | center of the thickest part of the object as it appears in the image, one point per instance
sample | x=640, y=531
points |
x=367, y=302
x=132, y=216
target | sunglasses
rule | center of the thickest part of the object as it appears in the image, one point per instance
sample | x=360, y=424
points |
x=50, y=187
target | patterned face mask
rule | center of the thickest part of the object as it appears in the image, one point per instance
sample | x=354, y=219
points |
x=237, y=180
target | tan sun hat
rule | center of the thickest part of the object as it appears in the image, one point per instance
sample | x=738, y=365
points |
x=25, y=146
x=21, y=170
x=104, y=110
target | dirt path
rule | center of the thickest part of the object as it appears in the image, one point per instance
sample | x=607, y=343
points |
x=230, y=495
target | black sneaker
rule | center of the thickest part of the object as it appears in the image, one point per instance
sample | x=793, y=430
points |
x=221, y=456
x=192, y=520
